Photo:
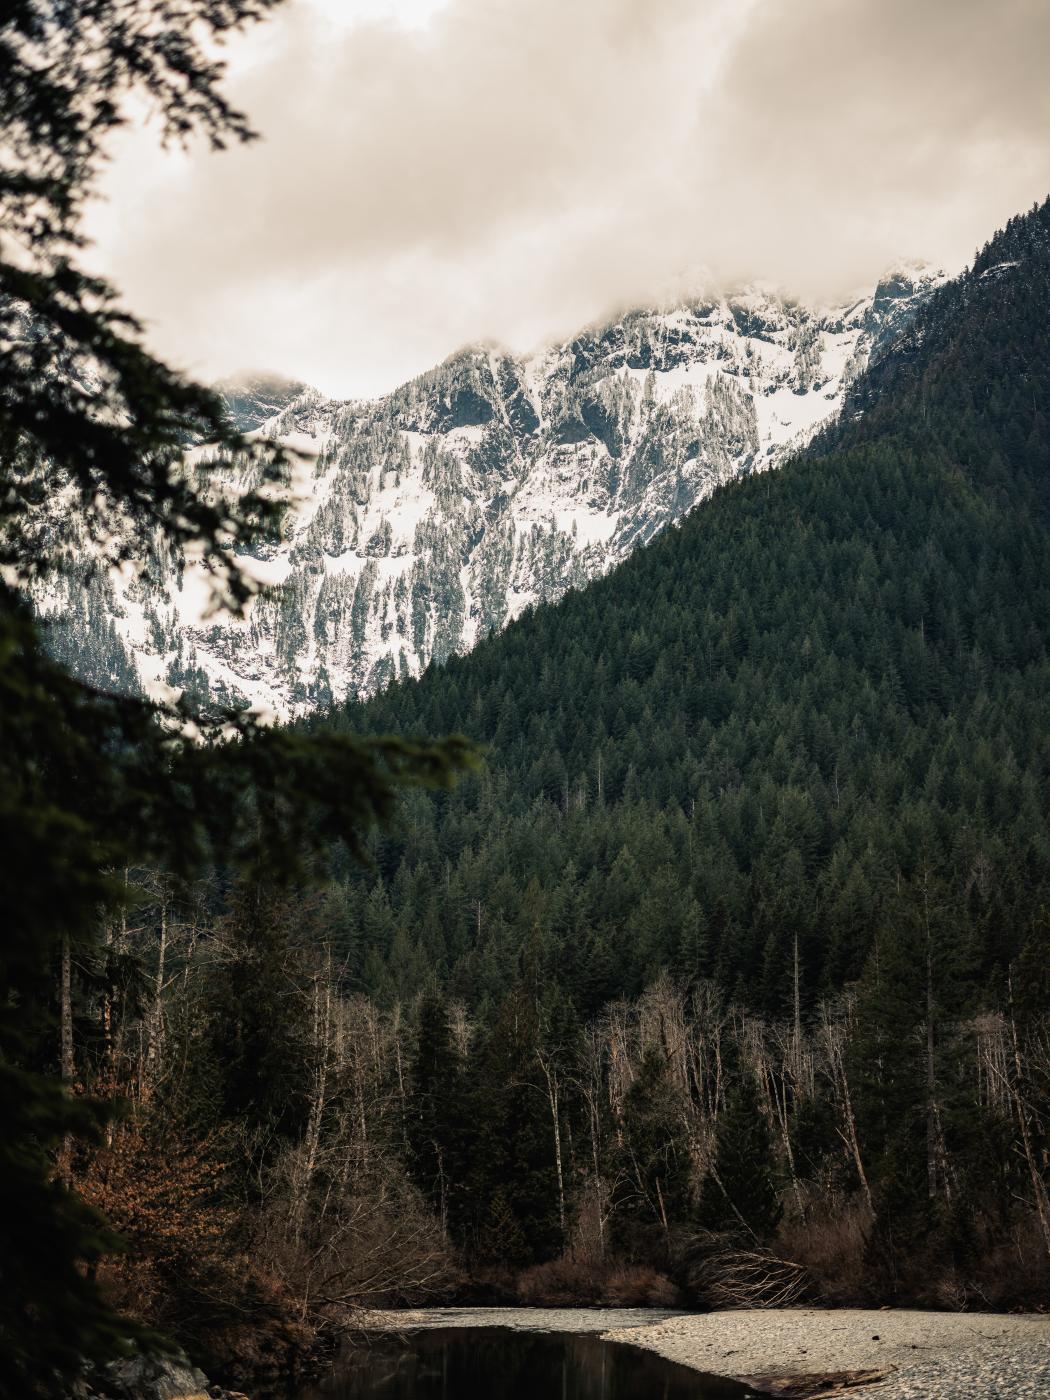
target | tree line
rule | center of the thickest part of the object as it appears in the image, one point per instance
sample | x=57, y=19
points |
x=293, y=1150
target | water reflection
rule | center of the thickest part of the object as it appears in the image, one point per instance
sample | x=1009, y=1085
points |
x=494, y=1363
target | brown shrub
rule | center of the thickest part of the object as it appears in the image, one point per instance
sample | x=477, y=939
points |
x=372, y=1244
x=164, y=1199
x=636, y=1286
x=184, y=1269
x=1011, y=1272
x=830, y=1244
x=979, y=1264
x=570, y=1282
x=560, y=1283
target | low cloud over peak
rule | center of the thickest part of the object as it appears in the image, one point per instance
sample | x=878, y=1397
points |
x=509, y=169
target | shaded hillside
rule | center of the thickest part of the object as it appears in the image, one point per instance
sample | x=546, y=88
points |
x=777, y=720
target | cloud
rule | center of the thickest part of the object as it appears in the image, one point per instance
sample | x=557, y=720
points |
x=508, y=169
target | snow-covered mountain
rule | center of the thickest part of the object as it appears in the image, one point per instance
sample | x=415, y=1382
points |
x=436, y=513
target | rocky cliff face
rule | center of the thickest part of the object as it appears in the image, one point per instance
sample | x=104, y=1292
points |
x=432, y=515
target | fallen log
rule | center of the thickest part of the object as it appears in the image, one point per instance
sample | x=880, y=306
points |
x=814, y=1385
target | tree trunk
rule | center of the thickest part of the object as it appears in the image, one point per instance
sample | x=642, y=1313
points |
x=550, y=1074
x=937, y=1175
x=841, y=1083
x=106, y=1012
x=66, y=1013
x=931, y=1078
x=67, y=1063
x=854, y=1141
x=1038, y=1184
x=796, y=1045
x=155, y=1042
x=322, y=1020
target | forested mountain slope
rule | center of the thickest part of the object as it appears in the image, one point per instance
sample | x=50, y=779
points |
x=724, y=982
x=811, y=715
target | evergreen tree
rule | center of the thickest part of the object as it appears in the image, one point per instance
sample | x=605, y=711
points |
x=509, y=1207
x=255, y=1017
x=91, y=782
x=656, y=1165
x=739, y=1194
x=434, y=1126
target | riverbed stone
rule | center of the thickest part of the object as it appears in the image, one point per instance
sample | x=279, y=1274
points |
x=153, y=1377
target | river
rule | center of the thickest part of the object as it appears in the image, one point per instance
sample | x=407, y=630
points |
x=496, y=1363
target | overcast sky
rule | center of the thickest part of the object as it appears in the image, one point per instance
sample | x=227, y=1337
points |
x=438, y=171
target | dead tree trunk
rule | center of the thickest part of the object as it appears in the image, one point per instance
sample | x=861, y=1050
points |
x=155, y=1033
x=840, y=1081
x=937, y=1174
x=550, y=1074
x=67, y=1063
x=66, y=1012
x=322, y=1021
x=796, y=1026
x=1023, y=1119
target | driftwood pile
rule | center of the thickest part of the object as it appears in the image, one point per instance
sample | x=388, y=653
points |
x=724, y=1272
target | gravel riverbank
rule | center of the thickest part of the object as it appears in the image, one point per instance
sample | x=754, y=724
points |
x=929, y=1356
x=924, y=1355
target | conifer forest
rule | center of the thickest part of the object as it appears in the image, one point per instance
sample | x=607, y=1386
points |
x=684, y=944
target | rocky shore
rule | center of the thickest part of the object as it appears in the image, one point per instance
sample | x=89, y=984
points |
x=797, y=1354
x=808, y=1352
x=911, y=1355
x=151, y=1378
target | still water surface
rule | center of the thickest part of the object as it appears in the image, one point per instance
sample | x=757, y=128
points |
x=494, y=1363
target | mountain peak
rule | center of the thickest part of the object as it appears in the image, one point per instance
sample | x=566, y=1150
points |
x=436, y=513
x=256, y=396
